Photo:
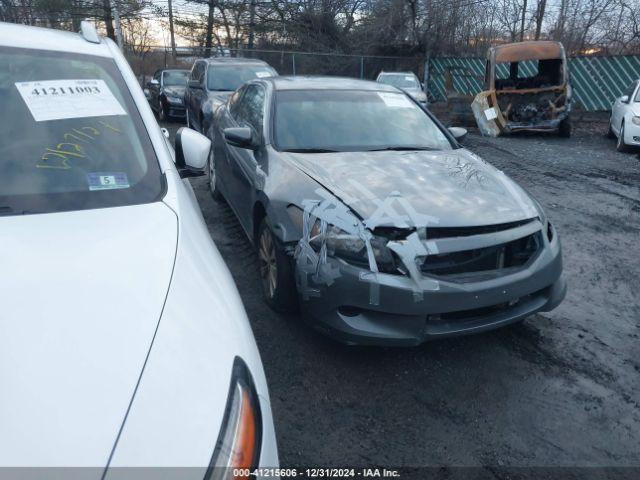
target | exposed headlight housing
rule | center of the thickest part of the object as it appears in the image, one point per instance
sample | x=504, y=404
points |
x=635, y=120
x=240, y=438
x=346, y=246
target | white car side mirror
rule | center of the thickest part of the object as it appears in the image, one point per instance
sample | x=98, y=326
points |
x=192, y=152
x=624, y=99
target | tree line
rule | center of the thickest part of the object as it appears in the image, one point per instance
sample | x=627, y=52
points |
x=417, y=28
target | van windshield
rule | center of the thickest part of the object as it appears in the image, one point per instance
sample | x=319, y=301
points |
x=75, y=139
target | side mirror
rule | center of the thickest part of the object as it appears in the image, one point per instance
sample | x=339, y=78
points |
x=624, y=99
x=147, y=93
x=195, y=84
x=153, y=81
x=458, y=133
x=240, y=137
x=192, y=152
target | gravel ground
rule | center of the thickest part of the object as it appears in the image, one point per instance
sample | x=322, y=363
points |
x=561, y=389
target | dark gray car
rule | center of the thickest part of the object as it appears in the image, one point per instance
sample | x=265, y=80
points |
x=370, y=215
x=166, y=93
x=213, y=80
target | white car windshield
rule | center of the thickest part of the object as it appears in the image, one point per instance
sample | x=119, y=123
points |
x=72, y=138
x=353, y=120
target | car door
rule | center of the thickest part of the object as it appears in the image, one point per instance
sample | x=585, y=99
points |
x=194, y=93
x=244, y=171
x=619, y=108
x=221, y=152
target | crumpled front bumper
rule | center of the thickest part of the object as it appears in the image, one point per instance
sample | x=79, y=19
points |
x=345, y=310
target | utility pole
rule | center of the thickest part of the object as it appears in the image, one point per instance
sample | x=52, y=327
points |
x=116, y=23
x=173, y=39
x=252, y=23
x=524, y=14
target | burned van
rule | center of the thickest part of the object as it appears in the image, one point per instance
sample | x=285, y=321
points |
x=526, y=88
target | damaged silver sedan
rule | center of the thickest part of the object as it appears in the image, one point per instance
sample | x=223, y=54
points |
x=370, y=216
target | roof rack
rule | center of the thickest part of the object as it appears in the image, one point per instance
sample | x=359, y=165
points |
x=88, y=32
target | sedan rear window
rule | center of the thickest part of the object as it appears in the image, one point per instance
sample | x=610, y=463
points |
x=72, y=138
x=353, y=120
x=227, y=78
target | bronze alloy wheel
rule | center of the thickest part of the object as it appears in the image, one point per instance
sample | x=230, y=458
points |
x=268, y=264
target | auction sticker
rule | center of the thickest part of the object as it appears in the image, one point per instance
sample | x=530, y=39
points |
x=107, y=180
x=263, y=74
x=397, y=100
x=490, y=113
x=61, y=99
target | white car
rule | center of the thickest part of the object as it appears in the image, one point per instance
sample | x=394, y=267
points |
x=123, y=340
x=624, y=123
x=406, y=81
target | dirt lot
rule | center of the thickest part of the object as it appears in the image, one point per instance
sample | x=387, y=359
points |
x=562, y=389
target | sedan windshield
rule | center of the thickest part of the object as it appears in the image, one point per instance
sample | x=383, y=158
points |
x=74, y=140
x=228, y=78
x=399, y=81
x=172, y=78
x=353, y=120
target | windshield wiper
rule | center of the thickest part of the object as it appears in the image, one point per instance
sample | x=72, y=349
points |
x=400, y=148
x=310, y=150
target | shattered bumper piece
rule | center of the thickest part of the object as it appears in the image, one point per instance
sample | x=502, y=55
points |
x=344, y=309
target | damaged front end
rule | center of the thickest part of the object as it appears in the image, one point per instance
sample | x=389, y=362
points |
x=399, y=278
x=526, y=89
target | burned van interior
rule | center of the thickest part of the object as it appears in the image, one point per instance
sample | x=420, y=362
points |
x=526, y=85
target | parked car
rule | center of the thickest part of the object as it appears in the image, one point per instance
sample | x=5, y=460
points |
x=406, y=81
x=624, y=123
x=527, y=88
x=124, y=340
x=166, y=93
x=213, y=80
x=369, y=213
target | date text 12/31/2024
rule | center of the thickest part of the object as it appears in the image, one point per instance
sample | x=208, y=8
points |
x=316, y=473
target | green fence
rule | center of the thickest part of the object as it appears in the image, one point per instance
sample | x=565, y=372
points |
x=596, y=81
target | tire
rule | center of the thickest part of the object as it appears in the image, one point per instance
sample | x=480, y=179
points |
x=564, y=129
x=610, y=133
x=276, y=272
x=162, y=115
x=620, y=145
x=213, y=178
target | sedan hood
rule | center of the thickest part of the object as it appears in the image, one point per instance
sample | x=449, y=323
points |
x=445, y=188
x=175, y=91
x=82, y=293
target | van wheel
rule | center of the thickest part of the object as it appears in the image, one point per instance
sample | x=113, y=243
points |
x=276, y=272
x=213, y=178
x=564, y=129
x=621, y=146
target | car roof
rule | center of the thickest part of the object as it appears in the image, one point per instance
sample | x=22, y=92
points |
x=327, y=83
x=234, y=61
x=23, y=36
x=397, y=73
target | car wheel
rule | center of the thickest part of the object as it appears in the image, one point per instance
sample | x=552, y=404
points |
x=162, y=115
x=610, y=133
x=564, y=129
x=620, y=145
x=276, y=272
x=213, y=178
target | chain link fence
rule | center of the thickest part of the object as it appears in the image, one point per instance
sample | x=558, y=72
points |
x=146, y=62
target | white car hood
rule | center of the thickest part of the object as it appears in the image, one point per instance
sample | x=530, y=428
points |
x=81, y=294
